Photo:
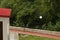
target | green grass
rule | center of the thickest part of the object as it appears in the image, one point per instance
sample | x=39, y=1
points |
x=30, y=37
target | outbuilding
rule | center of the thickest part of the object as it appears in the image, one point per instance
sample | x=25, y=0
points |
x=4, y=23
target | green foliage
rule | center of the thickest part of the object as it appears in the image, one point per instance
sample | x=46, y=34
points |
x=30, y=37
x=26, y=13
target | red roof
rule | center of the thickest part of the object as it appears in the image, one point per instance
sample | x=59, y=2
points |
x=5, y=12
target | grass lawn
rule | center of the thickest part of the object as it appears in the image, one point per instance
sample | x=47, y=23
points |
x=30, y=37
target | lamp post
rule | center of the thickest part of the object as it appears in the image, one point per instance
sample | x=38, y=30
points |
x=40, y=17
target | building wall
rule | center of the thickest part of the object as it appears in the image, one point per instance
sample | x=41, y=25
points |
x=5, y=27
x=13, y=36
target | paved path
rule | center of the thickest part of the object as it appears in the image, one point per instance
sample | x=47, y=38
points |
x=35, y=34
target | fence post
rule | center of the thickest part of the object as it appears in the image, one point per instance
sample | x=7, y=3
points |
x=14, y=36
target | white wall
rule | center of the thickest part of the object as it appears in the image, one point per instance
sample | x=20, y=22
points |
x=13, y=36
x=5, y=27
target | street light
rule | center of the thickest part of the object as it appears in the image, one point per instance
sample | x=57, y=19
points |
x=40, y=17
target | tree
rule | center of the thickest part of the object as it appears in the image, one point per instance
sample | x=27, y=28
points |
x=26, y=13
